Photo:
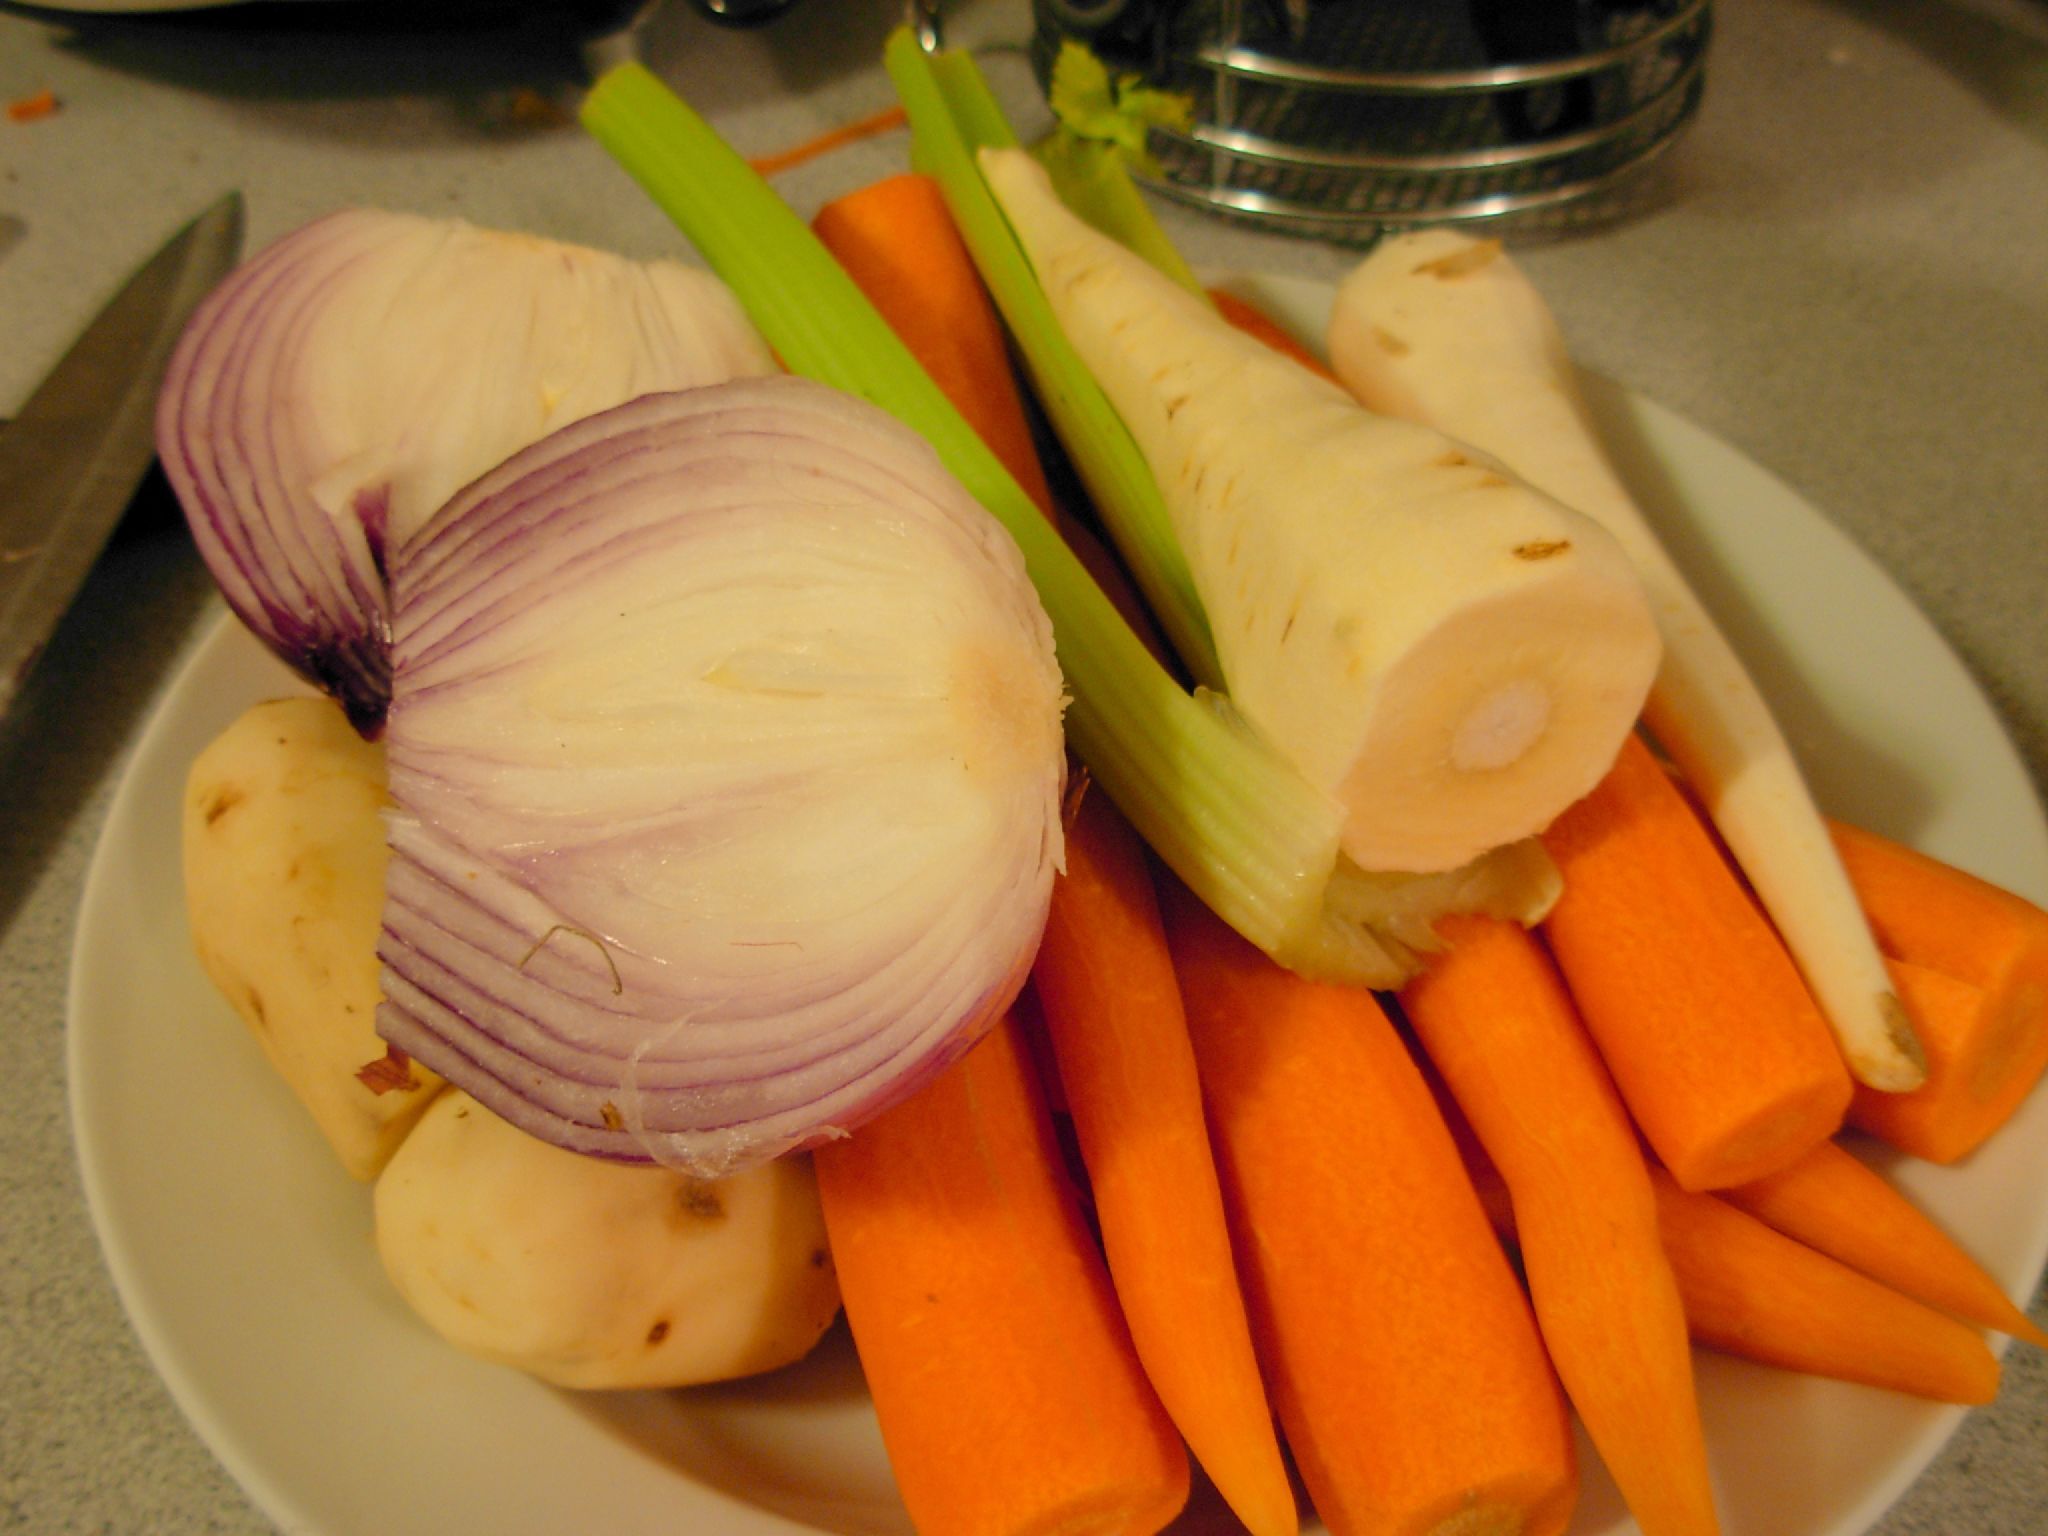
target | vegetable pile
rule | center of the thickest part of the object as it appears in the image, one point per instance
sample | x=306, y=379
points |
x=722, y=809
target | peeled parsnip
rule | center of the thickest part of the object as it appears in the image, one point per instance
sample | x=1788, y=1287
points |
x=1450, y=654
x=1442, y=329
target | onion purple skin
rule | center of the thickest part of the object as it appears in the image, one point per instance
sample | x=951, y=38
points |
x=563, y=961
x=309, y=586
x=344, y=381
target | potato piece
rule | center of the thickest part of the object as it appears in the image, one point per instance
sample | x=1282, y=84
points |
x=597, y=1274
x=284, y=889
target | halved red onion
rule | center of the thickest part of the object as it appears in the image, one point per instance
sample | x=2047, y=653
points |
x=726, y=762
x=344, y=382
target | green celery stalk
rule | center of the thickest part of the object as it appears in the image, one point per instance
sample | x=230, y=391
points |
x=952, y=114
x=1236, y=822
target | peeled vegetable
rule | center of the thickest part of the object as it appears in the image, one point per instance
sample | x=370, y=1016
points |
x=344, y=382
x=284, y=873
x=725, y=763
x=1449, y=653
x=1442, y=329
x=593, y=1274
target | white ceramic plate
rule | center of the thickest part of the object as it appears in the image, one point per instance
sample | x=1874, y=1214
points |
x=244, y=1256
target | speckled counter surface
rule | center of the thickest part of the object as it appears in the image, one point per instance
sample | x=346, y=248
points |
x=1844, y=277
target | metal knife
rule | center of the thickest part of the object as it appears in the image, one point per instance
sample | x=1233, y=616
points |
x=71, y=461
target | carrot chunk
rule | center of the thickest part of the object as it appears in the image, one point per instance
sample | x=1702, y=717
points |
x=1714, y=1041
x=1010, y=1399
x=1833, y=1202
x=1400, y=1352
x=1971, y=964
x=1495, y=1019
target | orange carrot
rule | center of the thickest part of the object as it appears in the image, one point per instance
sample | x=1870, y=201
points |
x=1755, y=1292
x=1255, y=322
x=1010, y=1399
x=1971, y=962
x=1398, y=1347
x=1751, y=1291
x=1718, y=1049
x=1831, y=1201
x=1495, y=1019
x=898, y=242
x=868, y=127
x=1113, y=1009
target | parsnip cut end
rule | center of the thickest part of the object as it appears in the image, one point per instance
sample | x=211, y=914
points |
x=1894, y=1063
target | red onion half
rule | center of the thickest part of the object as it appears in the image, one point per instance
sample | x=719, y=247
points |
x=726, y=763
x=345, y=381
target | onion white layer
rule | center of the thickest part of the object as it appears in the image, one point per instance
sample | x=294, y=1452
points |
x=726, y=764
x=344, y=382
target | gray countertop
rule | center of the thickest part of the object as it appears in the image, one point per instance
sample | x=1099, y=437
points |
x=1844, y=277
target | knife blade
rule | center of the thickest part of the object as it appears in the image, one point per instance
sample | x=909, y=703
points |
x=71, y=461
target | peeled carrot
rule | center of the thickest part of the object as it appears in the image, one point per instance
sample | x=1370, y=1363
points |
x=1494, y=1017
x=1724, y=1061
x=897, y=241
x=1113, y=1009
x=1971, y=963
x=1010, y=1399
x=1399, y=1349
x=1831, y=1201
x=1755, y=1292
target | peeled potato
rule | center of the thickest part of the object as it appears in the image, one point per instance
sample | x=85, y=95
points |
x=284, y=889
x=597, y=1274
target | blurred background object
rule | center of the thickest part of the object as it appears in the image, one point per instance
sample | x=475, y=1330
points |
x=1343, y=118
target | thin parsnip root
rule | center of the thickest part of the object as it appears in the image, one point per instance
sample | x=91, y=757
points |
x=1380, y=1299
x=1438, y=327
x=1495, y=1020
x=1754, y=1292
x=1833, y=1202
x=984, y=1317
x=1711, y=1035
x=1120, y=1037
x=1971, y=963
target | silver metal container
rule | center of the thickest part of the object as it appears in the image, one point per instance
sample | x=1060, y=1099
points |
x=1345, y=118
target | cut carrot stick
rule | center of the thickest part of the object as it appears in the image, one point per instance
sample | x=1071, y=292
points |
x=1113, y=1009
x=1010, y=1399
x=884, y=121
x=1399, y=1349
x=1719, y=1051
x=1971, y=963
x=1757, y=1293
x=1831, y=1201
x=1494, y=1017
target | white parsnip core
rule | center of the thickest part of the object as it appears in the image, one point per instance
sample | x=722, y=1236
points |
x=1499, y=730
